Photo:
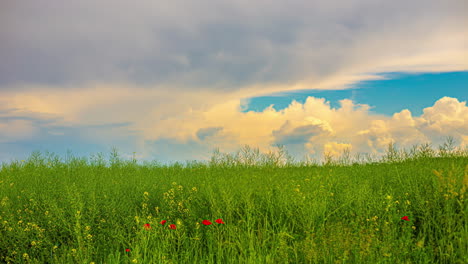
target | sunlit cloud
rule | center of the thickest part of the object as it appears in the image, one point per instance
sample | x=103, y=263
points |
x=156, y=74
x=194, y=121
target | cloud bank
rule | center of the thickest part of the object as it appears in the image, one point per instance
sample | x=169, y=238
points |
x=258, y=47
x=162, y=77
x=312, y=128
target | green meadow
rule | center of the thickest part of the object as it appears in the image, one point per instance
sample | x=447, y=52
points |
x=347, y=209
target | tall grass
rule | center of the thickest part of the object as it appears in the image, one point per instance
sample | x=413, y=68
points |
x=344, y=210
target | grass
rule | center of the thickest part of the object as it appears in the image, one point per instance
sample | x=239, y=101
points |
x=341, y=211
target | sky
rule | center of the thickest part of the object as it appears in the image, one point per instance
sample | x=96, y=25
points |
x=174, y=80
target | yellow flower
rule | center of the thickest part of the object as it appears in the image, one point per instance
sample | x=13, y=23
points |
x=25, y=256
x=145, y=193
x=88, y=228
x=420, y=243
x=89, y=236
x=135, y=261
x=194, y=189
x=408, y=202
x=414, y=228
x=389, y=197
x=33, y=243
x=397, y=202
x=46, y=212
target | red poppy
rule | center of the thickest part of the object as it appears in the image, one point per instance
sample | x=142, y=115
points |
x=147, y=226
x=172, y=226
x=219, y=221
x=206, y=222
x=405, y=218
x=163, y=222
x=127, y=250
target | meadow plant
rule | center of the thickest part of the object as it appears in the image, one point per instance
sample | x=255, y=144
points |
x=409, y=206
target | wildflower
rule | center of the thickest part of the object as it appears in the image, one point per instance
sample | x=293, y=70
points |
x=219, y=221
x=163, y=222
x=420, y=243
x=389, y=197
x=206, y=222
x=405, y=218
x=127, y=250
x=134, y=261
x=25, y=256
x=147, y=226
x=172, y=226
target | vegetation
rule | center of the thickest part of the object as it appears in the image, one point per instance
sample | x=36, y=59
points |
x=260, y=209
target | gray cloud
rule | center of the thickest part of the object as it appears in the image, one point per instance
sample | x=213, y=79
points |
x=203, y=133
x=290, y=134
x=210, y=44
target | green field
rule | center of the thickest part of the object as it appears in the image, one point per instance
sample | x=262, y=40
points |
x=348, y=210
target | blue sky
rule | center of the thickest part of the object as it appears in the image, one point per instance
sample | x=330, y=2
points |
x=409, y=91
x=170, y=80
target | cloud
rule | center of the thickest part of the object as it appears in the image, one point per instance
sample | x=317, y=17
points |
x=301, y=132
x=335, y=149
x=176, y=70
x=166, y=127
x=16, y=130
x=203, y=133
x=227, y=45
